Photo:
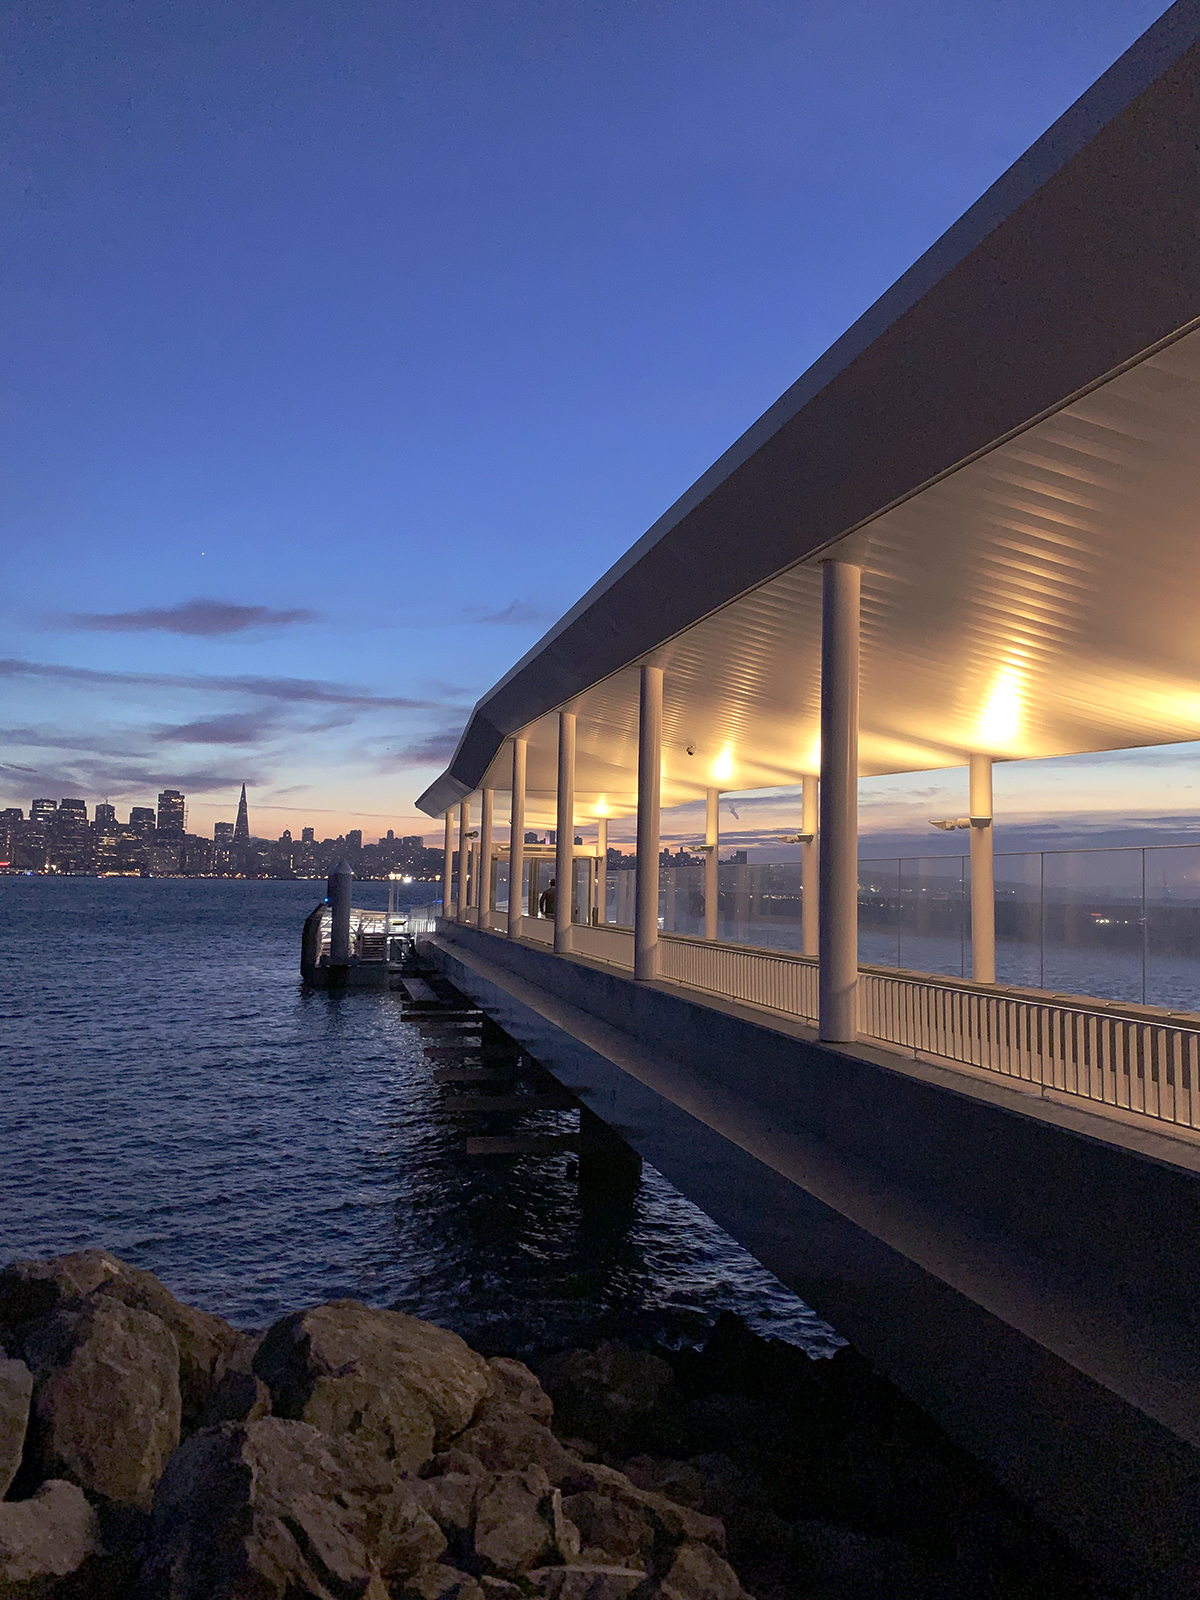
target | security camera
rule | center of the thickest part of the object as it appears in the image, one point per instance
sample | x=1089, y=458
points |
x=691, y=749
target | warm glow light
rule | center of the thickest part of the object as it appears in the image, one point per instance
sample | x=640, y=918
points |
x=601, y=807
x=722, y=768
x=1000, y=718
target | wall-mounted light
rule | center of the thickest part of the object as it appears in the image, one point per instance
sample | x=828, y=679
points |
x=948, y=824
x=798, y=838
x=723, y=766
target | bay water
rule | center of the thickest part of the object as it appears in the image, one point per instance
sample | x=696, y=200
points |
x=168, y=1090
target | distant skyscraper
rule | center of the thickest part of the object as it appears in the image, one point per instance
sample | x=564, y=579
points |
x=223, y=833
x=42, y=810
x=241, y=828
x=141, y=818
x=306, y=836
x=170, y=811
x=106, y=815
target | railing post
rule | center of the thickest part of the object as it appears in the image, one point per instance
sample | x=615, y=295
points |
x=340, y=889
x=841, y=586
x=645, y=921
x=464, y=852
x=983, y=876
x=564, y=838
x=448, y=866
x=809, y=889
x=712, y=838
x=483, y=898
x=516, y=839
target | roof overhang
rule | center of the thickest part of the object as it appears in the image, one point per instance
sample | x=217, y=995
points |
x=1006, y=442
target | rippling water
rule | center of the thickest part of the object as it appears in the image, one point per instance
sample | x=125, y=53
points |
x=170, y=1092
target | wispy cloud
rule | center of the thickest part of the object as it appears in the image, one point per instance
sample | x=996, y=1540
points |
x=433, y=750
x=235, y=728
x=204, y=619
x=116, y=778
x=294, y=691
x=519, y=613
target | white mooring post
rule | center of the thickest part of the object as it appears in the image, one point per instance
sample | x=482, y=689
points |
x=564, y=837
x=448, y=866
x=983, y=876
x=464, y=857
x=483, y=897
x=810, y=890
x=838, y=977
x=516, y=839
x=712, y=838
x=645, y=917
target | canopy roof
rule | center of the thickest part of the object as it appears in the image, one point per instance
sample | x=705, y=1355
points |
x=1008, y=443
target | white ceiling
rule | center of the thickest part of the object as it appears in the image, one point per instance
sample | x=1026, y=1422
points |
x=1041, y=600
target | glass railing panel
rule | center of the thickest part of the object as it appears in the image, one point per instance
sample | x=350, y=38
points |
x=933, y=927
x=1092, y=923
x=1173, y=927
x=879, y=912
x=1018, y=919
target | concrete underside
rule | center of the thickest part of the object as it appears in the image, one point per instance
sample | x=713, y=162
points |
x=1027, y=1271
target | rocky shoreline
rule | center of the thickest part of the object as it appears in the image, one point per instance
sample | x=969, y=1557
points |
x=149, y=1449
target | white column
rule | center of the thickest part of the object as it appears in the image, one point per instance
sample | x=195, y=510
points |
x=712, y=838
x=484, y=897
x=516, y=840
x=464, y=855
x=808, y=868
x=645, y=917
x=448, y=865
x=564, y=848
x=601, y=869
x=838, y=981
x=983, y=879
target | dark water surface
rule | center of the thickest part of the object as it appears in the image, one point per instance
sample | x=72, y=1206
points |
x=169, y=1091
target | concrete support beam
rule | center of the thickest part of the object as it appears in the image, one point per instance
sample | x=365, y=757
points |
x=645, y=921
x=983, y=878
x=448, y=866
x=838, y=989
x=464, y=857
x=809, y=878
x=564, y=848
x=712, y=838
x=483, y=898
x=516, y=838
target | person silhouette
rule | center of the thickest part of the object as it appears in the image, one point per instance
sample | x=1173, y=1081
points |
x=546, y=900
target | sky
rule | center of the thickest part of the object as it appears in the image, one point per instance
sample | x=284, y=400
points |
x=343, y=346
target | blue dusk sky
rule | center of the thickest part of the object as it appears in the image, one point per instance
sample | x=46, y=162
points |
x=346, y=345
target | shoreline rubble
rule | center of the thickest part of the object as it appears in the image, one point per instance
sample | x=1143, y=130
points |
x=150, y=1451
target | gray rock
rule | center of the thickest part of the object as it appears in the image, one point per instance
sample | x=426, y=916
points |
x=512, y=1530
x=16, y=1393
x=237, y=1397
x=403, y=1385
x=678, y=1524
x=438, y=1582
x=45, y=1538
x=30, y=1290
x=106, y=1411
x=621, y=1530
x=505, y=1437
x=514, y=1384
x=273, y=1509
x=450, y=1499
x=607, y=1394
x=566, y=1535
x=586, y=1581
x=207, y=1344
x=698, y=1573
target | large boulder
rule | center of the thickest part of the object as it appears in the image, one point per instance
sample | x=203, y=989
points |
x=16, y=1393
x=698, y=1573
x=106, y=1408
x=31, y=1290
x=273, y=1509
x=613, y=1396
x=207, y=1344
x=400, y=1385
x=513, y=1523
x=45, y=1538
